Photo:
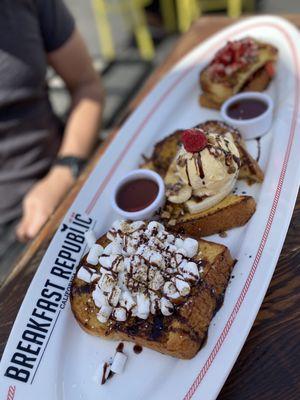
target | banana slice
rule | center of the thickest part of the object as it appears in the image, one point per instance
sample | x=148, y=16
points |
x=197, y=206
x=178, y=192
x=180, y=196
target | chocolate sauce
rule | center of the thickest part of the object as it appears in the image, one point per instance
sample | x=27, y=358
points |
x=137, y=349
x=246, y=109
x=157, y=327
x=258, y=149
x=110, y=375
x=137, y=194
x=120, y=347
x=200, y=167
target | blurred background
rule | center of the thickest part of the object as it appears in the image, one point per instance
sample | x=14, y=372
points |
x=129, y=38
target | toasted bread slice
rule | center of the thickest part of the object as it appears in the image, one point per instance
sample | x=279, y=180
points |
x=230, y=213
x=180, y=335
x=256, y=83
x=252, y=76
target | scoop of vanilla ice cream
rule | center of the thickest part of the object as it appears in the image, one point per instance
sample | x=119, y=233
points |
x=209, y=171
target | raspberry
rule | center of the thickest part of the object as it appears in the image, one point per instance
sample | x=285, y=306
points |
x=193, y=140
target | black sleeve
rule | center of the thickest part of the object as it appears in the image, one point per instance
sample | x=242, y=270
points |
x=56, y=22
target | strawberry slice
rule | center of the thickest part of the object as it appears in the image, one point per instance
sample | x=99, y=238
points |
x=270, y=69
x=193, y=140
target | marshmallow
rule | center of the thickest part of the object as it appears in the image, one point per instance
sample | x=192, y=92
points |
x=120, y=314
x=121, y=280
x=170, y=290
x=156, y=258
x=189, y=270
x=182, y=252
x=107, y=261
x=94, y=277
x=173, y=263
x=104, y=314
x=136, y=225
x=166, y=307
x=104, y=271
x=94, y=254
x=157, y=281
x=179, y=258
x=182, y=286
x=141, y=256
x=178, y=243
x=154, y=303
x=127, y=300
x=141, y=273
x=111, y=235
x=171, y=248
x=90, y=238
x=143, y=305
x=99, y=298
x=170, y=238
x=118, y=264
x=141, y=249
x=191, y=246
x=106, y=283
x=130, y=249
x=155, y=225
x=114, y=247
x=118, y=224
x=134, y=311
x=84, y=275
x=114, y=296
x=146, y=252
x=127, y=264
x=118, y=363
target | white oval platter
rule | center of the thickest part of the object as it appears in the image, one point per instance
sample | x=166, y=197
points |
x=64, y=362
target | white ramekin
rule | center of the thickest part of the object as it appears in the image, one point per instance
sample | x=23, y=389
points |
x=147, y=212
x=254, y=127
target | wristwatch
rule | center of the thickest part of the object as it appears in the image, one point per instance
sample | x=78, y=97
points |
x=76, y=164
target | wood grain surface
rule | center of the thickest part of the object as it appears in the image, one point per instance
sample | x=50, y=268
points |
x=268, y=367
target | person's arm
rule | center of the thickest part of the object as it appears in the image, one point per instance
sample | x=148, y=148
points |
x=74, y=65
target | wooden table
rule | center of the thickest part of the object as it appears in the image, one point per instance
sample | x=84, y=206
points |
x=269, y=364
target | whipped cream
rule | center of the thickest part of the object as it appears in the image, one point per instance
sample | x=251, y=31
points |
x=143, y=270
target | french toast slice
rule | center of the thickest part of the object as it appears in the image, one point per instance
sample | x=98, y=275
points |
x=181, y=334
x=258, y=82
x=253, y=75
x=231, y=212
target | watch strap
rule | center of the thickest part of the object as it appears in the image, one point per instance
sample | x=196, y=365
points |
x=76, y=164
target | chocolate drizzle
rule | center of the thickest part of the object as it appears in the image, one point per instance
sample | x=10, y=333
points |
x=137, y=349
x=198, y=165
x=157, y=327
x=105, y=378
x=187, y=173
x=215, y=146
x=258, y=149
x=120, y=347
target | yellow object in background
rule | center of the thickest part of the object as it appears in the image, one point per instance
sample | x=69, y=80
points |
x=189, y=10
x=177, y=15
x=132, y=11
